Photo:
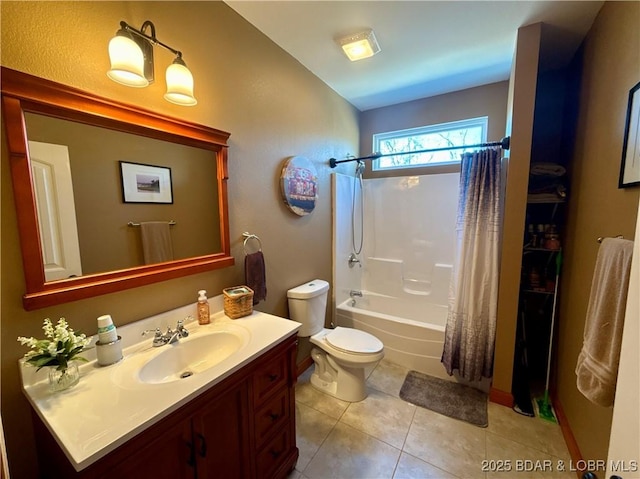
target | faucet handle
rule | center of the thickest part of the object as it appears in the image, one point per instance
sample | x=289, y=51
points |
x=353, y=259
x=156, y=332
x=181, y=330
x=158, y=339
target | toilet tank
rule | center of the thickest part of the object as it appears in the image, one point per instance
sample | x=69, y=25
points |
x=308, y=305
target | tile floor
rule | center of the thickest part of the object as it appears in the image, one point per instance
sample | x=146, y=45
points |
x=386, y=437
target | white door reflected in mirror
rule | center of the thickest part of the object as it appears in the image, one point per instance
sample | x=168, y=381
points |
x=53, y=191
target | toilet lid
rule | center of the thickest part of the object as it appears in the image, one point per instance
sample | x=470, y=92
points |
x=353, y=340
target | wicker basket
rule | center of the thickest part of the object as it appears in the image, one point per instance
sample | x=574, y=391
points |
x=238, y=301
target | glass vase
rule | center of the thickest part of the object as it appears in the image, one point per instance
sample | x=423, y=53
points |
x=61, y=380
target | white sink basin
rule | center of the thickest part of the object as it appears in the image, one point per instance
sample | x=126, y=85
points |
x=190, y=356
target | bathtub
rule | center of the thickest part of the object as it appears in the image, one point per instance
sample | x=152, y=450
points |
x=411, y=329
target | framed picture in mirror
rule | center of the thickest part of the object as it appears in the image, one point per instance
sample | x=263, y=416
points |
x=145, y=183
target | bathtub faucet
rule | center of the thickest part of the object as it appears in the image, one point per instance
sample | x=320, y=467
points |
x=353, y=293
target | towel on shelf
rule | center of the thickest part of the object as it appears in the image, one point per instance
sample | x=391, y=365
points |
x=597, y=368
x=255, y=275
x=156, y=242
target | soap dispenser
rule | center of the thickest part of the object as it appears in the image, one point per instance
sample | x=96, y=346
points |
x=203, y=307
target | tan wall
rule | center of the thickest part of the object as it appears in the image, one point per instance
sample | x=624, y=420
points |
x=597, y=207
x=521, y=109
x=488, y=100
x=245, y=84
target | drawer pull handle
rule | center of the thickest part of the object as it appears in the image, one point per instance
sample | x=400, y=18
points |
x=274, y=416
x=272, y=377
x=275, y=454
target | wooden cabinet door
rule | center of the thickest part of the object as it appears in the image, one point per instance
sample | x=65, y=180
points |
x=221, y=435
x=165, y=455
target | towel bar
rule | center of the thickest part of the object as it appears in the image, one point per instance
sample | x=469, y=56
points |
x=131, y=223
x=601, y=238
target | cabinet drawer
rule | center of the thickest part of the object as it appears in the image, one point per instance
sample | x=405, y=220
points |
x=276, y=451
x=268, y=378
x=271, y=416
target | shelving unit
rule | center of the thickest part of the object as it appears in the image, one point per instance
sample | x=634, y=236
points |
x=537, y=289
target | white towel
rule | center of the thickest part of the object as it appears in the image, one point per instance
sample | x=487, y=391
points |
x=597, y=368
x=156, y=242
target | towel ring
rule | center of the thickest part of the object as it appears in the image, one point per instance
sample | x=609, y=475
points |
x=247, y=237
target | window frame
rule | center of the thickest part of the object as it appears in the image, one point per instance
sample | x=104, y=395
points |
x=482, y=121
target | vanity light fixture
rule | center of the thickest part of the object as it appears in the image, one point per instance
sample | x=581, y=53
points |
x=359, y=45
x=131, y=55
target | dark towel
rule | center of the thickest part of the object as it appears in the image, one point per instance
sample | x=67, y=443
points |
x=255, y=277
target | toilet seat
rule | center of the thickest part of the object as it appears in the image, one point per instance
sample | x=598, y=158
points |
x=354, y=341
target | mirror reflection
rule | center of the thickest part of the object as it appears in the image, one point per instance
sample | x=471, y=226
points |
x=88, y=226
x=84, y=168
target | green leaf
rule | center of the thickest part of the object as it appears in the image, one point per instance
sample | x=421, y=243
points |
x=44, y=361
x=62, y=362
x=76, y=350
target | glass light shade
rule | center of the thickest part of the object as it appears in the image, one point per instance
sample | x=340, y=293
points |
x=359, y=46
x=127, y=62
x=179, y=85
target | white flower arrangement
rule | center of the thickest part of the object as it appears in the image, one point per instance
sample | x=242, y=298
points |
x=62, y=346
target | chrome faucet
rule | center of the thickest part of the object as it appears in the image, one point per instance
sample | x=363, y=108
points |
x=180, y=332
x=353, y=260
x=353, y=293
x=171, y=336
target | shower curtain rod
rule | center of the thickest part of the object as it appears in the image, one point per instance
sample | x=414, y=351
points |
x=504, y=144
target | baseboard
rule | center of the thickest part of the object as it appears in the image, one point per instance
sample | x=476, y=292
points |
x=569, y=438
x=304, y=365
x=501, y=397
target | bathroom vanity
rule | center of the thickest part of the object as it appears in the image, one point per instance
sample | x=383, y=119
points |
x=235, y=418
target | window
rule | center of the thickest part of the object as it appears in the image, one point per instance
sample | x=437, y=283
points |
x=457, y=133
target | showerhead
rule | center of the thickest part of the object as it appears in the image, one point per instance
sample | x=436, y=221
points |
x=359, y=168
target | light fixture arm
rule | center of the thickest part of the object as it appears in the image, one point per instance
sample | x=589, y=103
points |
x=152, y=38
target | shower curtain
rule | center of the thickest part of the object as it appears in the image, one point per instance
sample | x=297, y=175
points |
x=473, y=293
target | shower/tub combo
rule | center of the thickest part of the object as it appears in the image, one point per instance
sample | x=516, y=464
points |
x=400, y=291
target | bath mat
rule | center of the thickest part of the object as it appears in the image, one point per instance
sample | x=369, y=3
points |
x=446, y=397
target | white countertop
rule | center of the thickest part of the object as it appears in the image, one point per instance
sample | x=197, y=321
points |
x=107, y=407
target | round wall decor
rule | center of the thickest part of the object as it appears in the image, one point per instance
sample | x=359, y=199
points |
x=299, y=185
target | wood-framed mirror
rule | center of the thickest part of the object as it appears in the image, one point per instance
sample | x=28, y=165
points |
x=115, y=159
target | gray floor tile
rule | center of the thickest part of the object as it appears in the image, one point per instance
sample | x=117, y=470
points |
x=349, y=453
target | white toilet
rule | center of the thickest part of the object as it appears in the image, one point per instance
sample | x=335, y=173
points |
x=342, y=354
